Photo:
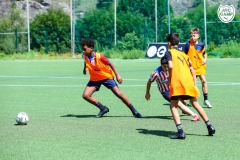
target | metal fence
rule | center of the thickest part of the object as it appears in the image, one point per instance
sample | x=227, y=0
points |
x=212, y=29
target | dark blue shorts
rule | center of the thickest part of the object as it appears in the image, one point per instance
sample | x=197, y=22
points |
x=109, y=83
x=166, y=95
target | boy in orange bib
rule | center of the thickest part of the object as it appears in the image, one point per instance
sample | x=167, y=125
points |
x=198, y=56
x=182, y=84
x=101, y=72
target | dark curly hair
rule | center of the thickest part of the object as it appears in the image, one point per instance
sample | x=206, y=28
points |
x=88, y=42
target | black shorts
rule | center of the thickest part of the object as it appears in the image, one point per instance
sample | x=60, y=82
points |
x=182, y=97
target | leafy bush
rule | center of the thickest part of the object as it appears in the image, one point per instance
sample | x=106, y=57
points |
x=2, y=55
x=229, y=49
x=133, y=54
x=52, y=31
x=129, y=42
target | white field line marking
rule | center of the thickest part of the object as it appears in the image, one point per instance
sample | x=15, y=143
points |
x=80, y=77
x=122, y=85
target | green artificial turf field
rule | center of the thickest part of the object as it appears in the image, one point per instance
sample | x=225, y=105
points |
x=62, y=124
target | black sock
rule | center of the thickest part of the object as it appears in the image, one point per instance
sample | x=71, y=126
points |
x=100, y=106
x=207, y=123
x=179, y=128
x=205, y=96
x=132, y=109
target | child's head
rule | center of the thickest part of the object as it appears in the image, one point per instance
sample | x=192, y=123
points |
x=164, y=64
x=173, y=39
x=87, y=46
x=195, y=34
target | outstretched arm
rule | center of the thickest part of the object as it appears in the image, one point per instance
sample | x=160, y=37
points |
x=205, y=58
x=148, y=95
x=118, y=77
x=193, y=73
x=84, y=69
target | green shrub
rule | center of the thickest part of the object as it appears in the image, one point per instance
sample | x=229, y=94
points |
x=133, y=54
x=229, y=49
x=129, y=42
x=2, y=55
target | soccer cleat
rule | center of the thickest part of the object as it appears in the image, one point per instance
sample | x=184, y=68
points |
x=179, y=136
x=207, y=103
x=211, y=130
x=137, y=115
x=195, y=118
x=102, y=112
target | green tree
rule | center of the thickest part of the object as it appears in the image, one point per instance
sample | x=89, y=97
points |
x=104, y=4
x=147, y=10
x=129, y=42
x=51, y=31
x=99, y=25
x=15, y=21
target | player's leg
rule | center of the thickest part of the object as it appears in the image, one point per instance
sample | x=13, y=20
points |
x=87, y=95
x=205, y=90
x=176, y=117
x=188, y=111
x=203, y=114
x=182, y=106
x=126, y=101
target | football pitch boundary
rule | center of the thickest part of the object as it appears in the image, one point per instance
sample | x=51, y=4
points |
x=62, y=124
x=122, y=85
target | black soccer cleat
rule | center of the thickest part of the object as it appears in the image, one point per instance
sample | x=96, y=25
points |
x=137, y=115
x=102, y=112
x=179, y=136
x=211, y=130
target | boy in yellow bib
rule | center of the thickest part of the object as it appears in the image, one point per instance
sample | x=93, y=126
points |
x=101, y=72
x=182, y=84
x=197, y=54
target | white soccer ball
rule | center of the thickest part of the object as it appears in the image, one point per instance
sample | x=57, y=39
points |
x=22, y=118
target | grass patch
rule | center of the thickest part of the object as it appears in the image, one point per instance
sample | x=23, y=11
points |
x=62, y=124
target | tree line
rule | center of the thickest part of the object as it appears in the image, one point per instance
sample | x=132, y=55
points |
x=135, y=27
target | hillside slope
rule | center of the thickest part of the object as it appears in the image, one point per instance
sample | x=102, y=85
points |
x=180, y=7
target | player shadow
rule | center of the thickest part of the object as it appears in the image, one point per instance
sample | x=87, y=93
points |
x=78, y=116
x=166, y=117
x=158, y=117
x=20, y=124
x=89, y=116
x=162, y=133
x=167, y=104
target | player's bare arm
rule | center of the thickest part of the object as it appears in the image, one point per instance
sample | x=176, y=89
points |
x=205, y=58
x=193, y=73
x=170, y=66
x=118, y=77
x=84, y=69
x=148, y=95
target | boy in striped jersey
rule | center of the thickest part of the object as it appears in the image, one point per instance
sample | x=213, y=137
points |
x=160, y=75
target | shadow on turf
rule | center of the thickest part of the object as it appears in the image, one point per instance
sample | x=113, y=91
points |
x=162, y=133
x=89, y=116
x=78, y=116
x=147, y=117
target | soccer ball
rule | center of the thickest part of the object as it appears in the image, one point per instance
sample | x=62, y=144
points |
x=22, y=118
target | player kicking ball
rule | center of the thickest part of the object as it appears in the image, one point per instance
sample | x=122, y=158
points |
x=101, y=72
